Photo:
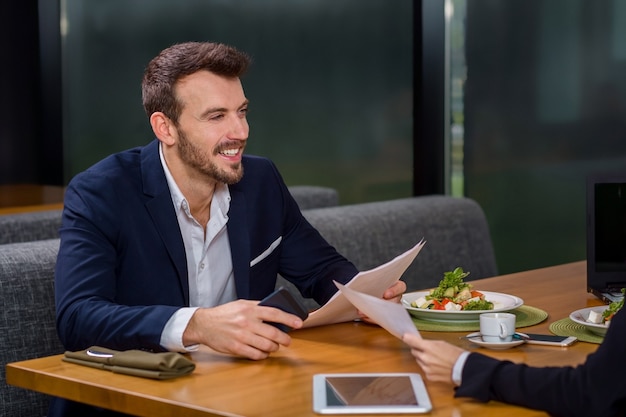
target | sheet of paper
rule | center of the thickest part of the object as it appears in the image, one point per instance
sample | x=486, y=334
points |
x=373, y=282
x=391, y=316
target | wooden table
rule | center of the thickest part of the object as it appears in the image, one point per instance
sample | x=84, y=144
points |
x=281, y=385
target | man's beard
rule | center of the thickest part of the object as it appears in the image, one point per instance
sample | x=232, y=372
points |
x=192, y=156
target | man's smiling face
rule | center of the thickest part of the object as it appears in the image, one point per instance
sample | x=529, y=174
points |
x=212, y=127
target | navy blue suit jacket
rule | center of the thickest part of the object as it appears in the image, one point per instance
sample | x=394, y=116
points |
x=121, y=271
x=596, y=388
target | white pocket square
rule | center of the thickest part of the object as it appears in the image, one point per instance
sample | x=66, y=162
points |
x=266, y=252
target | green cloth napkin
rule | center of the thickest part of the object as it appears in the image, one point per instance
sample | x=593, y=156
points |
x=162, y=365
x=525, y=316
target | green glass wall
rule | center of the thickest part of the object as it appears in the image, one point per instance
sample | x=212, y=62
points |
x=544, y=105
x=330, y=86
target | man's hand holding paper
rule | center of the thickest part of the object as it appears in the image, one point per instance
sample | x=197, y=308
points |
x=373, y=282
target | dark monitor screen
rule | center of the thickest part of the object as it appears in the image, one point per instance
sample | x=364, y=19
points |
x=606, y=231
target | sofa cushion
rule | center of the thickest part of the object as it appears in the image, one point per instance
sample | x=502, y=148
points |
x=27, y=319
x=25, y=227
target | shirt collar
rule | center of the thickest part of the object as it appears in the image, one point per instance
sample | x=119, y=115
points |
x=177, y=196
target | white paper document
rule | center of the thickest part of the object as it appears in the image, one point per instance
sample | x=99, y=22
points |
x=373, y=282
x=391, y=316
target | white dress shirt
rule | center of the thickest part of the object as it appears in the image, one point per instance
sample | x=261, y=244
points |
x=209, y=262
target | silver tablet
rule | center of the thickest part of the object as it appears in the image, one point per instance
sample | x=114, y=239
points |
x=370, y=393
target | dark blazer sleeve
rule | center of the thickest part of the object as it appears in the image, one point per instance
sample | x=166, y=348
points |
x=595, y=388
x=121, y=263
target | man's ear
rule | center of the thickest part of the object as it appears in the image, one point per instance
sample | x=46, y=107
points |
x=163, y=128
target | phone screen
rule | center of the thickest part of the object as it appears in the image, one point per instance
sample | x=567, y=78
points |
x=546, y=337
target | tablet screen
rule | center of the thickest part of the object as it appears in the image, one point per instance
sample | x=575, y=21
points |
x=370, y=393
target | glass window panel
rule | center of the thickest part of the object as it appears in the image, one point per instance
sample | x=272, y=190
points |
x=544, y=105
x=330, y=86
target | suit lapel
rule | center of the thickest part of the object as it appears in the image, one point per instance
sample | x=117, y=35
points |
x=239, y=242
x=159, y=205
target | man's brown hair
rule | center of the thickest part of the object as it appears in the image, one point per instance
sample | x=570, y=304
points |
x=180, y=60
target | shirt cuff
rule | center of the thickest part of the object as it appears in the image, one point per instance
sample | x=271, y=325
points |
x=457, y=370
x=172, y=335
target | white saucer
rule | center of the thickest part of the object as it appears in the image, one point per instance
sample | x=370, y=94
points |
x=478, y=340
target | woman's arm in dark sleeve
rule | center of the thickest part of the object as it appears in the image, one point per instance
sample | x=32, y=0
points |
x=595, y=388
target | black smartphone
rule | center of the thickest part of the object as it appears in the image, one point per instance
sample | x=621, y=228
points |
x=283, y=299
x=548, y=339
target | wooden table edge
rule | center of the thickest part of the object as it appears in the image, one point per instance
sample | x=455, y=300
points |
x=45, y=382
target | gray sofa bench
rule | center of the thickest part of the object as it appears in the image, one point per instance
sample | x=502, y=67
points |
x=368, y=234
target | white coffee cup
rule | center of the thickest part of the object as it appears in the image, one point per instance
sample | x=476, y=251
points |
x=497, y=327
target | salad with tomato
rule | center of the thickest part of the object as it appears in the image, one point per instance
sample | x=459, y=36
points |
x=453, y=294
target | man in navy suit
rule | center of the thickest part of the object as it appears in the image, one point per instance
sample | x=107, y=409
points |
x=171, y=245
x=596, y=388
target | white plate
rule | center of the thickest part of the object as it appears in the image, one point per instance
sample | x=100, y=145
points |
x=478, y=340
x=501, y=302
x=580, y=317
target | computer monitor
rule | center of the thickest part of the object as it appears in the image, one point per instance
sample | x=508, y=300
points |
x=606, y=235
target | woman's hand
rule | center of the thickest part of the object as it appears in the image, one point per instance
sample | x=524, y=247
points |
x=435, y=357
